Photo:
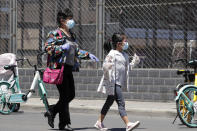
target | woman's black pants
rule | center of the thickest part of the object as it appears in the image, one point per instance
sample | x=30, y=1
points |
x=67, y=94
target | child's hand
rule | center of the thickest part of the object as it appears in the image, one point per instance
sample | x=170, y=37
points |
x=135, y=61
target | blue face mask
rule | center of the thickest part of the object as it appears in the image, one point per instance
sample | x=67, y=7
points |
x=125, y=46
x=70, y=23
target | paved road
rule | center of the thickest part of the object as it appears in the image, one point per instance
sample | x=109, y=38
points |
x=33, y=120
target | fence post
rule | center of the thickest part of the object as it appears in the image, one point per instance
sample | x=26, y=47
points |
x=41, y=31
x=100, y=29
x=185, y=31
x=13, y=26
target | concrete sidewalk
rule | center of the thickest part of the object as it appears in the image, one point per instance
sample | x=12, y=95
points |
x=164, y=109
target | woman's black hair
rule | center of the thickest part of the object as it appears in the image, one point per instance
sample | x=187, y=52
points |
x=111, y=43
x=63, y=15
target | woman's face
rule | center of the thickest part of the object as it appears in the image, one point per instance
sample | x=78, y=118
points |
x=64, y=21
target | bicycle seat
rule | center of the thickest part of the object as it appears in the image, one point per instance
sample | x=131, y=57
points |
x=193, y=63
x=7, y=59
x=9, y=67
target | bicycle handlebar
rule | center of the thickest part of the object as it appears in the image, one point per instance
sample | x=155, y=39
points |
x=29, y=62
x=182, y=60
x=22, y=59
x=41, y=53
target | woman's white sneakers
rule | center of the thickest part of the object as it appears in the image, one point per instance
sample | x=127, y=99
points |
x=100, y=126
x=131, y=126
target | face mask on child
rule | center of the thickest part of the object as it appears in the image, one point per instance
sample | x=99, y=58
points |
x=125, y=46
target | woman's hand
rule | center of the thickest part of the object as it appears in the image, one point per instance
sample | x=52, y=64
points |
x=93, y=57
x=65, y=46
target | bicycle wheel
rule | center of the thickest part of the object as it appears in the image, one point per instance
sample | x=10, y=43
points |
x=5, y=92
x=17, y=106
x=185, y=107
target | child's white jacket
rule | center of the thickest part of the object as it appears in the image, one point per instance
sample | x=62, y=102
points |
x=107, y=82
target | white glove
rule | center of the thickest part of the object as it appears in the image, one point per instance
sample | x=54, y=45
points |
x=135, y=61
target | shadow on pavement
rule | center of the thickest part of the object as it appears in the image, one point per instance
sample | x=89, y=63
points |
x=87, y=128
x=84, y=128
x=122, y=129
x=116, y=129
x=75, y=129
x=17, y=113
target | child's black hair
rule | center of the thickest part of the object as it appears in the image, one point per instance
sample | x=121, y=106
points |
x=111, y=43
x=64, y=15
x=117, y=37
x=108, y=46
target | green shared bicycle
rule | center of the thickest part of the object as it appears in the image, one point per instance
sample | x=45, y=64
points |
x=10, y=91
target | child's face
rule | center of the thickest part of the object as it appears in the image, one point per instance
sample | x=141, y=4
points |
x=121, y=44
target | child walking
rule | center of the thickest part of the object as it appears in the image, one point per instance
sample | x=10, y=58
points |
x=116, y=67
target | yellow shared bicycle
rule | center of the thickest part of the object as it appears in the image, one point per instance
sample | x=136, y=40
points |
x=186, y=96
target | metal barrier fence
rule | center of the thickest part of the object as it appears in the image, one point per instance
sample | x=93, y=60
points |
x=4, y=26
x=159, y=31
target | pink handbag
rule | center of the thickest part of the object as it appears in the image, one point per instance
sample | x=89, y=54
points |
x=53, y=76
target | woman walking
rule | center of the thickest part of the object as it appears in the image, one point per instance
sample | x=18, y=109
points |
x=63, y=51
x=115, y=77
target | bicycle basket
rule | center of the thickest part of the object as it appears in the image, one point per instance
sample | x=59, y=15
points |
x=6, y=59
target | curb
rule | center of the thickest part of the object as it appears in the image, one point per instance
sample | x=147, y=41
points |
x=138, y=112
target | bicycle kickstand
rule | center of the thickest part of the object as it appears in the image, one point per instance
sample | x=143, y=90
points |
x=175, y=118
